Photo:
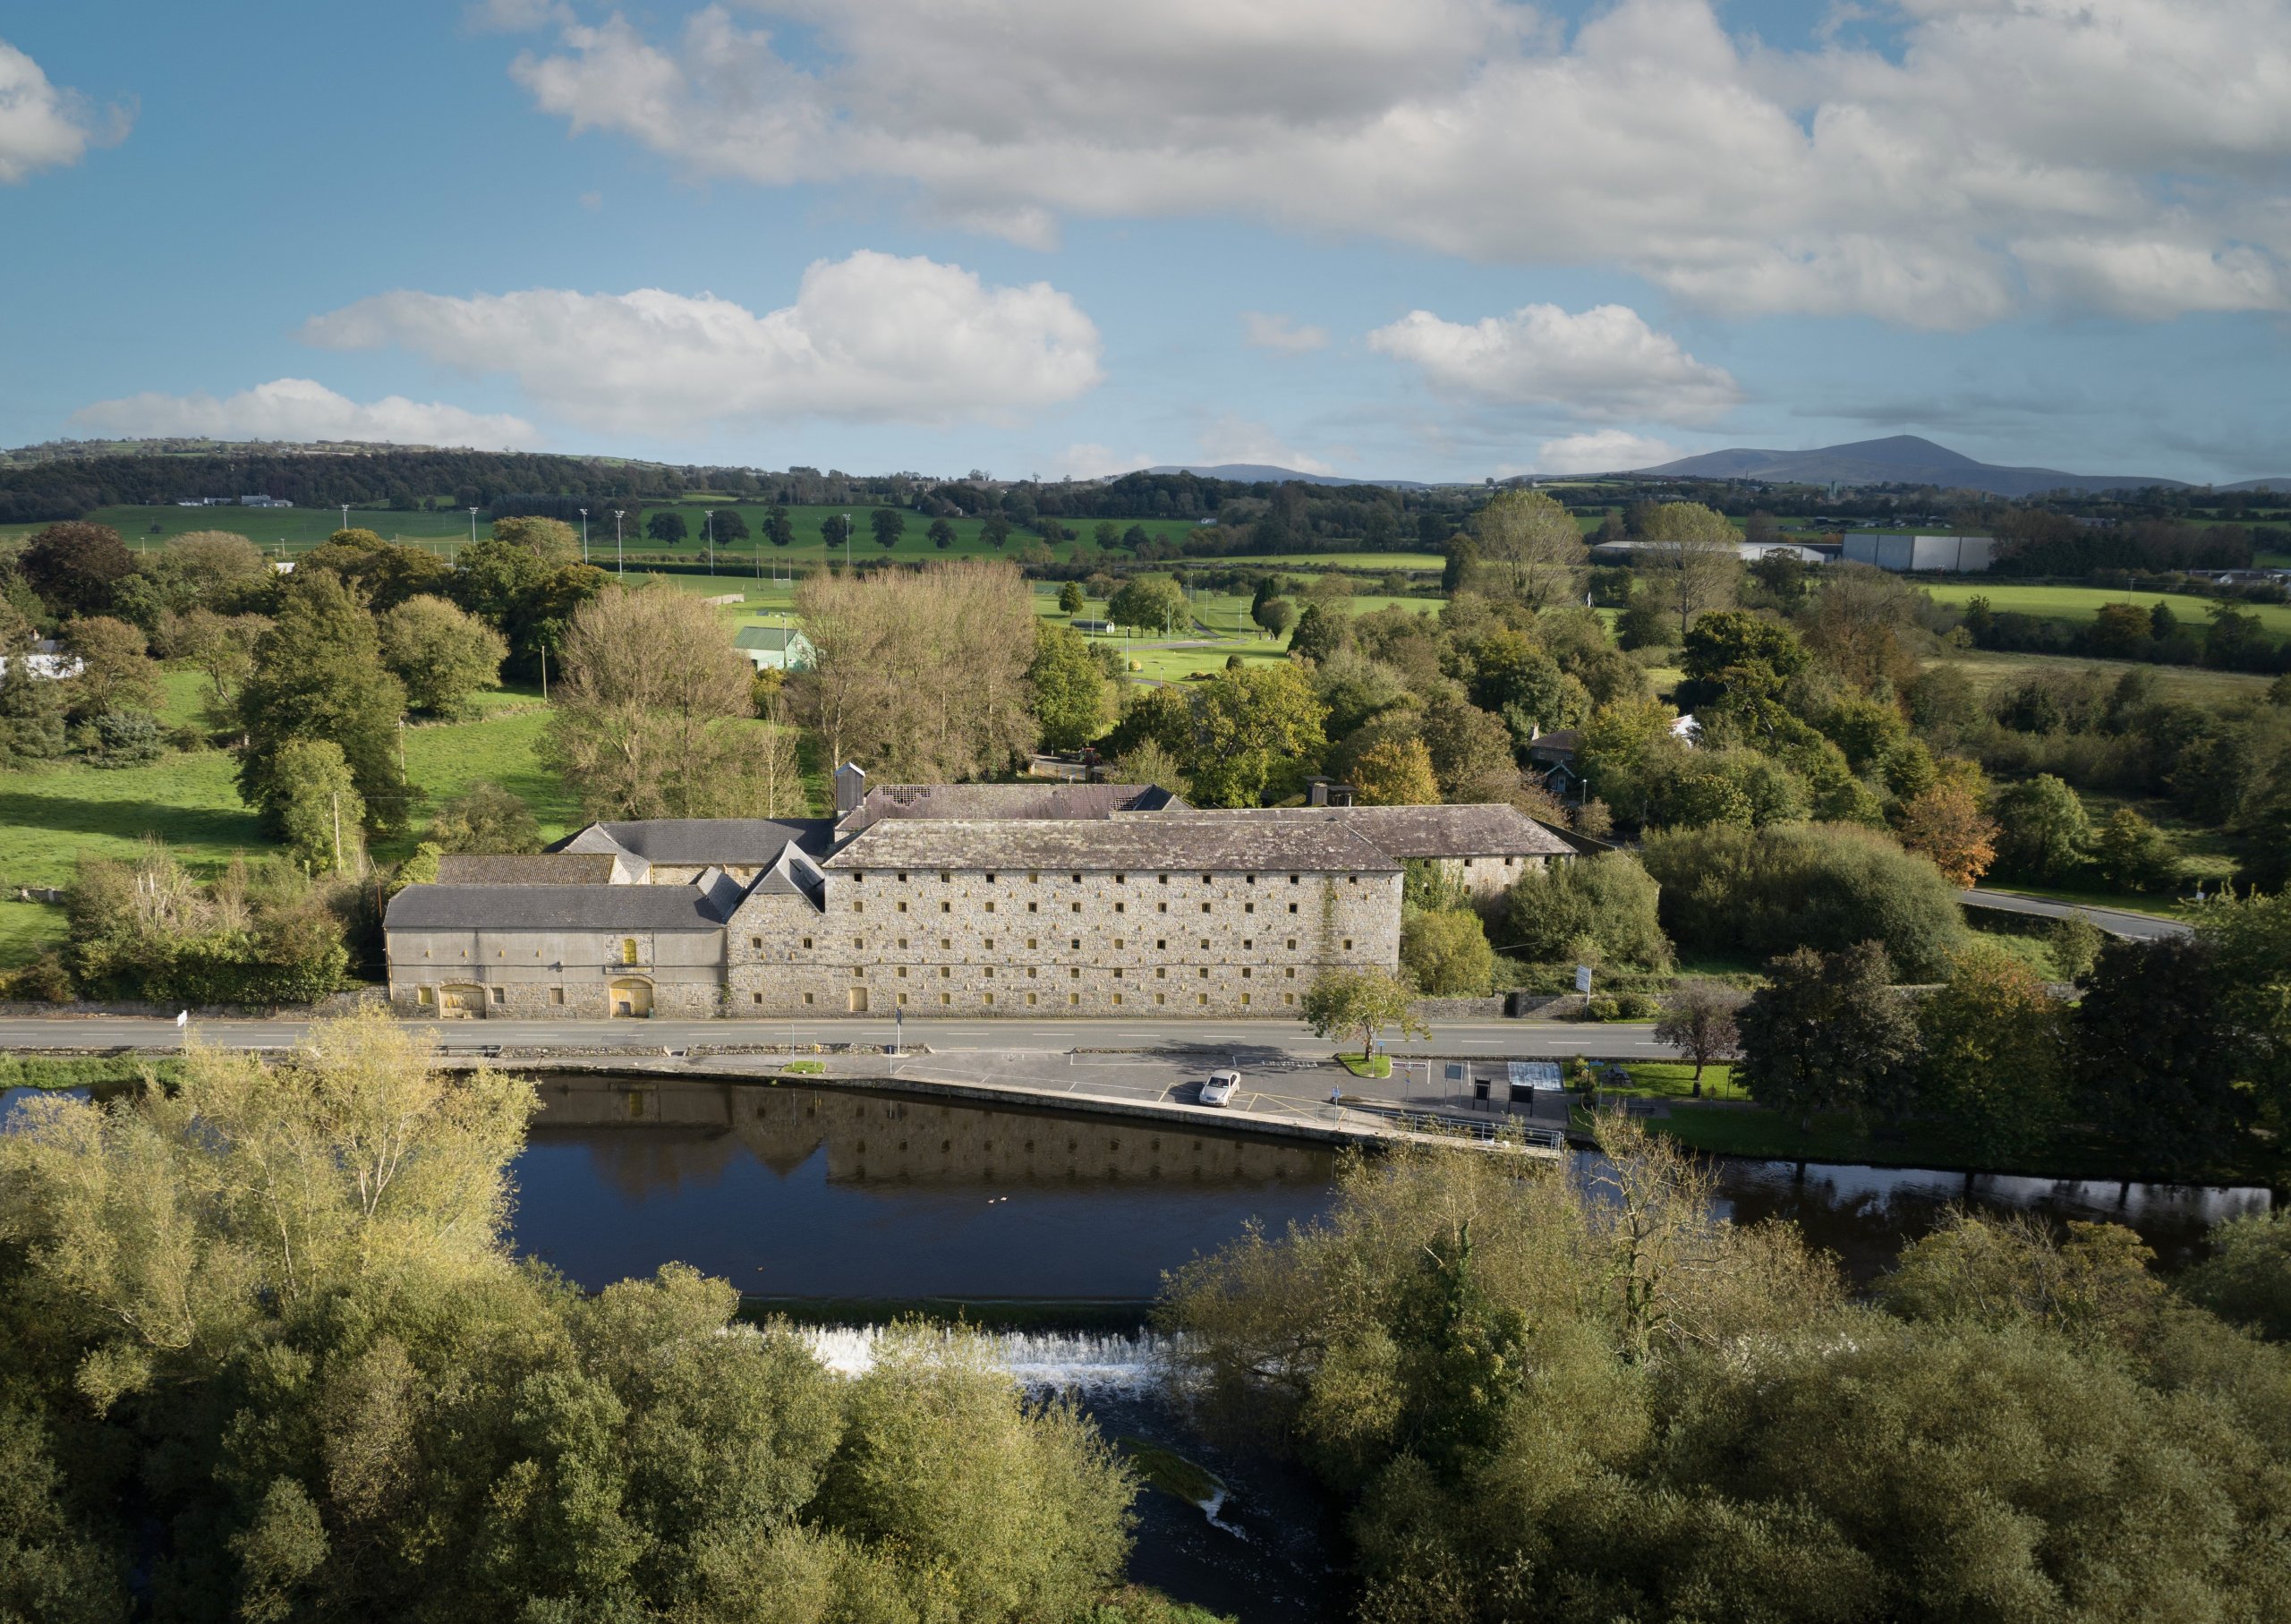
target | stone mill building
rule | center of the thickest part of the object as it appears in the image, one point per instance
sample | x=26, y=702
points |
x=964, y=899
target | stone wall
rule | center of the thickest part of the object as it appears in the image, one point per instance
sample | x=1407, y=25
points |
x=563, y=974
x=1011, y=942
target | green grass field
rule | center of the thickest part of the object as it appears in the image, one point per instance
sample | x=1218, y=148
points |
x=2079, y=604
x=1990, y=668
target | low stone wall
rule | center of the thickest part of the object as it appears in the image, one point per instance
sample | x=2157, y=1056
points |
x=1461, y=1008
x=325, y=1008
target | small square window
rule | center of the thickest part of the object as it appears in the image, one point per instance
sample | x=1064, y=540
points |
x=1121, y=907
x=1292, y=944
x=946, y=907
x=902, y=942
x=1347, y=944
x=1164, y=879
x=425, y=995
x=1288, y=998
x=990, y=880
x=1205, y=907
x=1245, y=973
x=807, y=941
x=901, y=973
x=902, y=906
x=1292, y=907
x=807, y=998
x=902, y=997
x=557, y=996
x=1122, y=880
x=858, y=907
x=988, y=997
x=990, y=944
x=1032, y=941
x=1073, y=998
x=1031, y=972
x=946, y=997
x=1117, y=974
x=755, y=941
x=1034, y=876
x=1201, y=998
x=1116, y=998
x=1162, y=975
x=500, y=994
x=1078, y=880
x=989, y=973
x=1204, y=944
x=902, y=875
x=1074, y=975
x=1248, y=907
x=989, y=907
x=946, y=972
x=1034, y=907
x=859, y=941
x=946, y=943
x=1248, y=943
x=1244, y=999
x=944, y=876
x=1076, y=944
x=1291, y=973
x=1030, y=998
x=1204, y=974
x=1161, y=908
x=757, y=997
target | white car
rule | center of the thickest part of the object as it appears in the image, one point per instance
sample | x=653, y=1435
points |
x=1219, y=1088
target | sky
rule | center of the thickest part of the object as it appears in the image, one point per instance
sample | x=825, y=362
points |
x=1399, y=239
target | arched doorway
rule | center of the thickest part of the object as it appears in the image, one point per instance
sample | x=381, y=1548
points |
x=461, y=1003
x=631, y=998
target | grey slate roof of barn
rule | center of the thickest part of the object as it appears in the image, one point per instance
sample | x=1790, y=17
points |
x=549, y=868
x=552, y=907
x=1165, y=844
x=1494, y=829
x=734, y=842
x=980, y=802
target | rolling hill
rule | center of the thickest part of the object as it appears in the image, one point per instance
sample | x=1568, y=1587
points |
x=1900, y=459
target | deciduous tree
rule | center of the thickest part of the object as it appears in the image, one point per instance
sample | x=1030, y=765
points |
x=1256, y=733
x=1697, y=1020
x=442, y=653
x=1946, y=825
x=1395, y=772
x=115, y=668
x=1068, y=686
x=1828, y=1033
x=1691, y=558
x=1366, y=1001
x=320, y=815
x=319, y=674
x=1533, y=543
x=76, y=567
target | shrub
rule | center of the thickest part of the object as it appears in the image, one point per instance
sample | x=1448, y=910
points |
x=1608, y=901
x=128, y=738
x=1445, y=952
x=1823, y=886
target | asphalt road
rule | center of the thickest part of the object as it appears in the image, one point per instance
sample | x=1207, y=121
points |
x=1494, y=1040
x=2116, y=921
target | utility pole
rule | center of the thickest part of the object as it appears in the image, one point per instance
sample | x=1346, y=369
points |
x=584, y=535
x=473, y=527
x=620, y=568
x=335, y=795
x=345, y=516
x=707, y=531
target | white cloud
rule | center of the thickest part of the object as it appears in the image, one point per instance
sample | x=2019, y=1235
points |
x=1600, y=451
x=1603, y=362
x=514, y=16
x=42, y=126
x=298, y=409
x=871, y=338
x=1264, y=331
x=1238, y=440
x=1919, y=184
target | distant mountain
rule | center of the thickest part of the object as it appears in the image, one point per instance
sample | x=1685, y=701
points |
x=1900, y=459
x=2282, y=485
x=1265, y=473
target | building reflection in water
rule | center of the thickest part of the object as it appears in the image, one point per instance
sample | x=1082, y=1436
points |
x=652, y=1137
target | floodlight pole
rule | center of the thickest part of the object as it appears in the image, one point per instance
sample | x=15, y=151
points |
x=708, y=526
x=346, y=524
x=473, y=527
x=618, y=567
x=584, y=535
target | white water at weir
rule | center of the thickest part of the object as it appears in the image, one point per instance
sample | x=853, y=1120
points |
x=1092, y=1361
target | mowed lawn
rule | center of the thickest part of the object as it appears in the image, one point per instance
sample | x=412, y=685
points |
x=2079, y=604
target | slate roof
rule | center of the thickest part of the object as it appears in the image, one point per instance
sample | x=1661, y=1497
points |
x=1494, y=829
x=552, y=907
x=1013, y=800
x=732, y=842
x=1170, y=843
x=770, y=637
x=549, y=868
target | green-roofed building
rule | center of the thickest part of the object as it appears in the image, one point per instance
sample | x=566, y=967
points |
x=775, y=648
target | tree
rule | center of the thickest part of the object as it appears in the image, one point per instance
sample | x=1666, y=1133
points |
x=319, y=674
x=382, y=573
x=1148, y=603
x=1070, y=598
x=443, y=654
x=1320, y=634
x=995, y=529
x=31, y=711
x=1275, y=616
x=1532, y=541
x=2247, y=1278
x=1946, y=825
x=1366, y=1001
x=730, y=525
x=1691, y=559
x=943, y=537
x=509, y=587
x=1456, y=566
x=1828, y=886
x=644, y=722
x=116, y=672
x=666, y=525
x=888, y=524
x=318, y=810
x=921, y=675
x=76, y=567
x=1608, y=904
x=1255, y=733
x=1149, y=761
x=2042, y=831
x=1783, y=576
x=2134, y=855
x=485, y=817
x=552, y=541
x=1828, y=1033
x=779, y=529
x=1994, y=1051
x=1069, y=687
x=1395, y=772
x=2151, y=1063
x=1445, y=952
x=1470, y=749
x=1697, y=1020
